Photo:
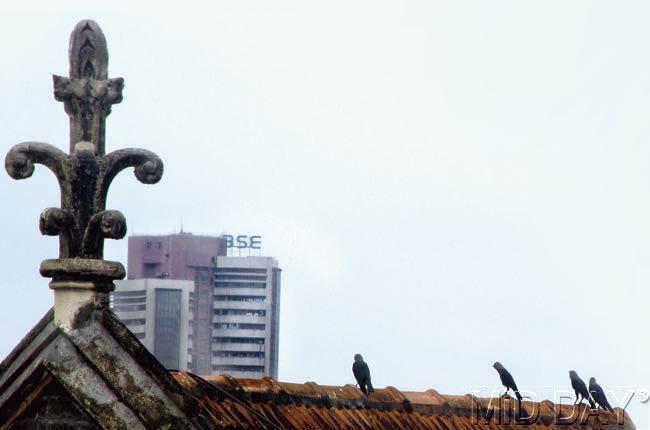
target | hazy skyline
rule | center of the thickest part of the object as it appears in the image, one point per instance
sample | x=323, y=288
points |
x=445, y=184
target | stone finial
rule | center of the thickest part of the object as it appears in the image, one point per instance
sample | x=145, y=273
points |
x=85, y=174
x=88, y=94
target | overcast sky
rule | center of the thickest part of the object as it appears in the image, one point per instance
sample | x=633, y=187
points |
x=445, y=184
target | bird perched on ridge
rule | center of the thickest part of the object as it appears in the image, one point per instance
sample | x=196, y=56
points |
x=362, y=374
x=580, y=388
x=598, y=394
x=507, y=380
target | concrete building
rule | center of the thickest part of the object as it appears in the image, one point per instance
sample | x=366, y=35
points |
x=183, y=256
x=174, y=256
x=157, y=312
x=234, y=303
x=245, y=341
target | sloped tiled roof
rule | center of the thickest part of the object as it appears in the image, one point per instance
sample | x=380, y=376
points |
x=106, y=379
x=99, y=366
x=264, y=403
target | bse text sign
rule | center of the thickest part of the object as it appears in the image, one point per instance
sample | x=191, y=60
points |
x=243, y=241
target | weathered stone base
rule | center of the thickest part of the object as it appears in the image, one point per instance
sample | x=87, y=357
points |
x=79, y=285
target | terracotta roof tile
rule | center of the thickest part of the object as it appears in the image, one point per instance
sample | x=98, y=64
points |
x=265, y=403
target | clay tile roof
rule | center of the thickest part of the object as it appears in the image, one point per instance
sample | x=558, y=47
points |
x=265, y=403
x=105, y=376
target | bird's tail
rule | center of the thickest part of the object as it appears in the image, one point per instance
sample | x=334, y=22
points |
x=518, y=395
x=591, y=403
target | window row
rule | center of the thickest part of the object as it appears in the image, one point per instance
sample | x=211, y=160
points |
x=240, y=326
x=133, y=321
x=247, y=312
x=248, y=340
x=130, y=308
x=240, y=277
x=221, y=284
x=237, y=368
x=238, y=270
x=239, y=354
x=237, y=298
x=120, y=301
x=133, y=293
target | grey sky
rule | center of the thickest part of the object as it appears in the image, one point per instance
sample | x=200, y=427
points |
x=445, y=184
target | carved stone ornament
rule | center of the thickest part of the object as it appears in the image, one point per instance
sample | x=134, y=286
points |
x=85, y=174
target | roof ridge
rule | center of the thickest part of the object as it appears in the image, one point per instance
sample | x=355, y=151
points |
x=310, y=405
x=26, y=340
x=390, y=398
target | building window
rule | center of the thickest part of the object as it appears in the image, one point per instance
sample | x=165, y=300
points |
x=221, y=284
x=234, y=298
x=151, y=269
x=118, y=294
x=240, y=326
x=130, y=308
x=120, y=301
x=238, y=270
x=239, y=354
x=237, y=368
x=240, y=277
x=247, y=312
x=248, y=340
x=167, y=327
x=134, y=321
x=225, y=325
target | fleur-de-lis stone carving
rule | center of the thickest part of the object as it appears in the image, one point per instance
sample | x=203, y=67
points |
x=85, y=174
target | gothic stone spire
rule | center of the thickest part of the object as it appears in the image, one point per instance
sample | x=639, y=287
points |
x=85, y=174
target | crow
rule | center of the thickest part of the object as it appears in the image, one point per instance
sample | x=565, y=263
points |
x=580, y=388
x=598, y=394
x=507, y=379
x=362, y=374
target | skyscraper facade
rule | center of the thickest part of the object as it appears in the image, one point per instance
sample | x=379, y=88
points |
x=157, y=312
x=183, y=256
x=234, y=304
x=245, y=340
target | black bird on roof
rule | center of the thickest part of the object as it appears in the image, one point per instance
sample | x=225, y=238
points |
x=362, y=374
x=598, y=394
x=580, y=388
x=507, y=380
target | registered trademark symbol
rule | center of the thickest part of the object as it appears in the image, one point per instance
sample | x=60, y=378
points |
x=643, y=394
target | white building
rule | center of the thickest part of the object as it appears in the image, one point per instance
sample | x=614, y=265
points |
x=157, y=311
x=244, y=326
x=246, y=320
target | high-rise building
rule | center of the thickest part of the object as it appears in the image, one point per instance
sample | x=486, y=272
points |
x=183, y=256
x=246, y=324
x=234, y=302
x=157, y=312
